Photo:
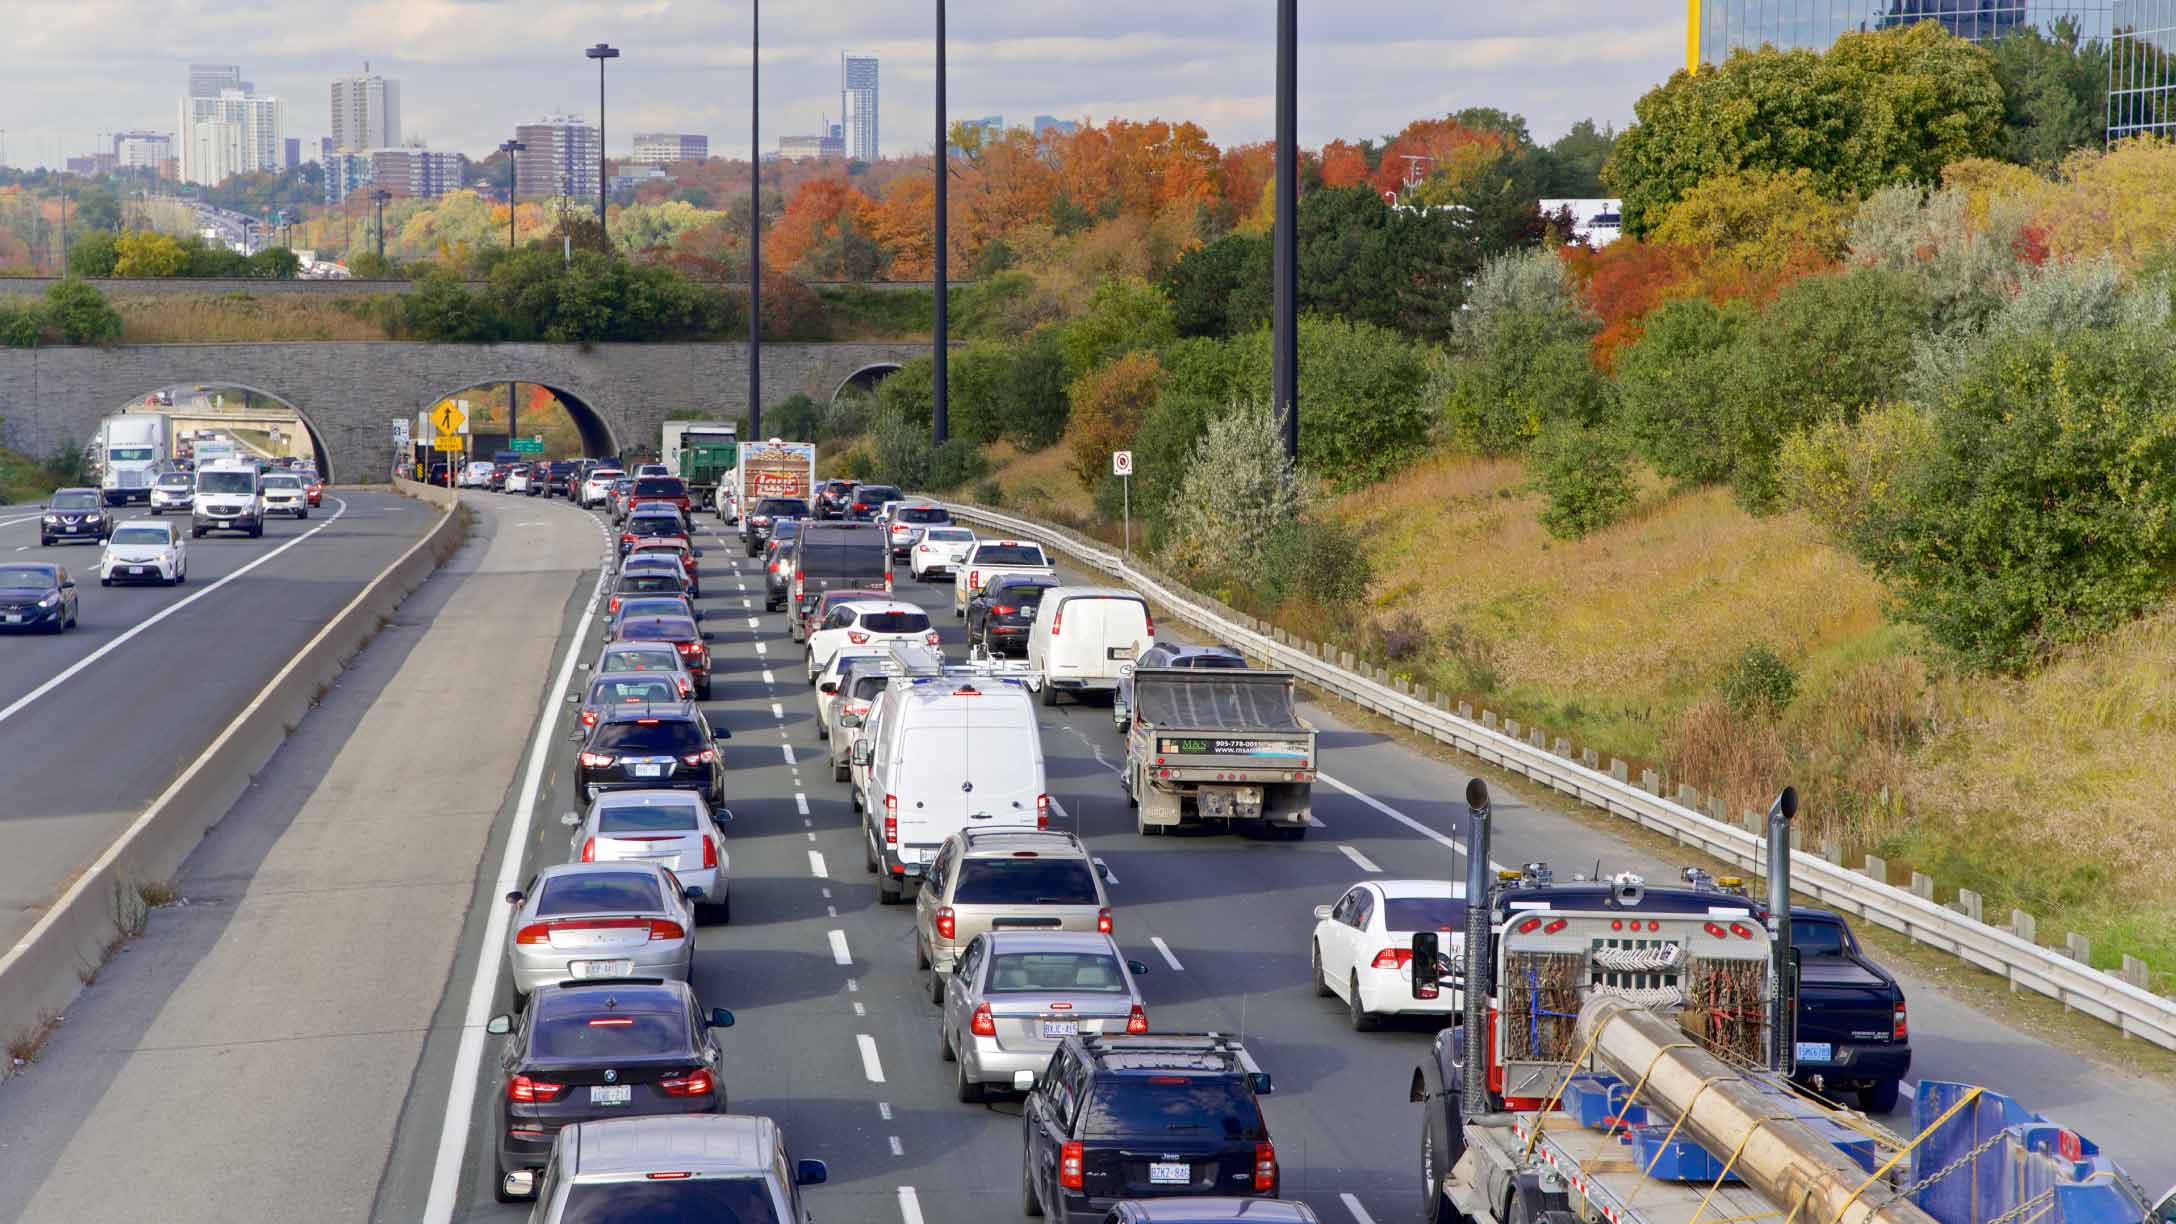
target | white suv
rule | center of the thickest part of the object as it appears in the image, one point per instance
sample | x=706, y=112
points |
x=870, y=625
x=284, y=494
x=597, y=486
x=143, y=552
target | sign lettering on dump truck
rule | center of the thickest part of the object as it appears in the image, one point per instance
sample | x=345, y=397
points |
x=1189, y=746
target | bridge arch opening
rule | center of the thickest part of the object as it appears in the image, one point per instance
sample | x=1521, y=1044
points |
x=565, y=423
x=865, y=379
x=254, y=422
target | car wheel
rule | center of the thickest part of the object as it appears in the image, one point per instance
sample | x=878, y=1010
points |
x=1125, y=783
x=838, y=772
x=1322, y=984
x=969, y=1091
x=823, y=730
x=302, y=513
x=1363, y=1020
x=702, y=689
x=196, y=533
x=46, y=541
x=921, y=954
x=1879, y=1100
x=936, y=988
x=1047, y=693
x=181, y=575
x=888, y=893
x=868, y=856
x=1029, y=1204
x=105, y=582
x=944, y=1043
x=157, y=513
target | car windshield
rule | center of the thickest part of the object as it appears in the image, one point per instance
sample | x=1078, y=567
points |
x=1150, y=1105
x=1424, y=914
x=646, y=818
x=948, y=535
x=600, y=892
x=75, y=501
x=610, y=1034
x=25, y=578
x=875, y=495
x=921, y=514
x=128, y=454
x=653, y=525
x=282, y=482
x=1067, y=972
x=225, y=482
x=895, y=622
x=637, y=686
x=710, y=1200
x=1010, y=554
x=660, y=486
x=784, y=530
x=659, y=629
x=864, y=558
x=1025, y=881
x=1025, y=592
x=174, y=480
x=640, y=661
x=142, y=535
x=660, y=735
x=1817, y=937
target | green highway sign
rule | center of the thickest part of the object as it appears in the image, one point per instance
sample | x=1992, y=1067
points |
x=527, y=446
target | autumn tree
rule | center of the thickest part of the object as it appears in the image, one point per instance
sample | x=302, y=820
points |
x=1107, y=405
x=825, y=233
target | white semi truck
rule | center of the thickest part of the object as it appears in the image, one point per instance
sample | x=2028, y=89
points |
x=133, y=448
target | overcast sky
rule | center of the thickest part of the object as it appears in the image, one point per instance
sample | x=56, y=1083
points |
x=472, y=69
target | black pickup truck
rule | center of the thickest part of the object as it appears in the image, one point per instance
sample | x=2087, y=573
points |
x=1852, y=1032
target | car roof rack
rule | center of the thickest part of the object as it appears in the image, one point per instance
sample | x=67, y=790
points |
x=1175, y=1052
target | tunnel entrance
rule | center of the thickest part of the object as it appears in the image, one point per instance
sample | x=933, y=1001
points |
x=224, y=417
x=562, y=424
x=865, y=379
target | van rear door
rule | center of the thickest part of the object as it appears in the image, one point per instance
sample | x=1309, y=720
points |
x=1099, y=635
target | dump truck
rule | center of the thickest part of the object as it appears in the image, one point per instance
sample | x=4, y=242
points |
x=1625, y=1054
x=1219, y=745
x=704, y=454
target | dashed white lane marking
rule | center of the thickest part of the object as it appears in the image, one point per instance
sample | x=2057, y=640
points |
x=746, y=604
x=827, y=894
x=830, y=911
x=852, y=986
x=896, y=1149
x=788, y=750
x=1359, y=1214
x=884, y=1110
x=859, y=1010
x=816, y=864
x=753, y=623
x=1358, y=858
x=800, y=803
x=761, y=650
x=870, y=1066
x=910, y=1206
x=777, y=710
x=839, y=950
x=767, y=676
x=1165, y=949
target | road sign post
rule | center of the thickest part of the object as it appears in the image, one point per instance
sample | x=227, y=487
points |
x=1122, y=467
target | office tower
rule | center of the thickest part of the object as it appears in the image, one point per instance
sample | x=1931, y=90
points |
x=560, y=160
x=661, y=148
x=211, y=80
x=858, y=103
x=236, y=132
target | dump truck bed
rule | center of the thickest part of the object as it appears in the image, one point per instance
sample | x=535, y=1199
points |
x=1224, y=701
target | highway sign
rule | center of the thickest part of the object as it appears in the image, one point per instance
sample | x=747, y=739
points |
x=1121, y=463
x=527, y=446
x=400, y=431
x=450, y=418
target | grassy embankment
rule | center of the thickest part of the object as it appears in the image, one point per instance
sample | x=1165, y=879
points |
x=24, y=479
x=2047, y=793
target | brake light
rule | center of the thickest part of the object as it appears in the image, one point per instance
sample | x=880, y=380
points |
x=589, y=718
x=1741, y=930
x=666, y=928
x=947, y=927
x=774, y=567
x=1900, y=1029
x=1713, y=929
x=529, y=1091
x=1529, y=926
x=800, y=587
x=932, y=638
x=857, y=637
x=1136, y=1021
x=1005, y=609
x=983, y=1024
x=1103, y=921
x=676, y=1176
x=1265, y=1167
x=860, y=506
x=1149, y=622
x=589, y=849
x=1069, y=1165
x=1057, y=621
x=705, y=757
x=627, y=537
x=694, y=1083
x=1042, y=811
x=596, y=760
x=535, y=933
x=614, y=606
x=891, y=820
x=1392, y=958
x=1553, y=927
x=974, y=580
x=688, y=648
x=710, y=853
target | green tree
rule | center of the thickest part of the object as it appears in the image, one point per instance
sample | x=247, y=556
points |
x=1123, y=315
x=22, y=324
x=1574, y=163
x=1239, y=494
x=978, y=380
x=275, y=263
x=1221, y=288
x=442, y=308
x=1586, y=475
x=94, y=254
x=909, y=394
x=1361, y=260
x=2053, y=93
x=1521, y=356
x=1675, y=383
x=93, y=208
x=1037, y=408
x=1363, y=408
x=80, y=313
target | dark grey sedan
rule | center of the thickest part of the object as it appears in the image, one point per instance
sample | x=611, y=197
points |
x=37, y=595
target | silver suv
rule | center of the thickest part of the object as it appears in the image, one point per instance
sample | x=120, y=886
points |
x=1000, y=880
x=691, y=1167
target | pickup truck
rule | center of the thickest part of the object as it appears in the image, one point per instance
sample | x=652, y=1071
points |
x=1851, y=1027
x=1219, y=745
x=987, y=560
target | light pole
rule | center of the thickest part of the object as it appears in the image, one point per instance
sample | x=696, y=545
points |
x=1284, y=340
x=510, y=147
x=379, y=197
x=755, y=222
x=939, y=426
x=601, y=53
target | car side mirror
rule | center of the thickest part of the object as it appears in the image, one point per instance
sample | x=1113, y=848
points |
x=828, y=687
x=861, y=752
x=574, y=699
x=1103, y=870
x=1427, y=965
x=810, y=1173
x=499, y=1026
x=710, y=637
x=68, y=585
x=1023, y=1081
x=570, y=819
x=696, y=551
x=514, y=897
x=1261, y=1083
x=692, y=892
x=717, y=732
x=720, y=1018
x=1136, y=968
x=849, y=719
x=1322, y=913
x=722, y=816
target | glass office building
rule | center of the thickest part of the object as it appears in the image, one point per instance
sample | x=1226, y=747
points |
x=2142, y=69
x=1715, y=28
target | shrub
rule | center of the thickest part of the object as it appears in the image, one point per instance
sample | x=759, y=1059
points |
x=1674, y=385
x=1007, y=305
x=1036, y=408
x=148, y=253
x=990, y=493
x=1324, y=560
x=80, y=313
x=1240, y=493
x=1107, y=406
x=955, y=464
x=977, y=384
x=442, y=309
x=899, y=449
x=1162, y=448
x=1850, y=477
x=796, y=416
x=94, y=254
x=1363, y=407
x=22, y=324
x=1521, y=356
x=1123, y=315
x=1401, y=636
x=1759, y=681
x=909, y=393
x=1585, y=473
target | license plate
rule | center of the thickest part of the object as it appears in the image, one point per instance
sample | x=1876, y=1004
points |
x=1815, y=1051
x=1170, y=1173
x=136, y=569
x=1119, y=652
x=603, y=968
x=649, y=771
x=15, y=618
x=610, y=1094
x=1060, y=1028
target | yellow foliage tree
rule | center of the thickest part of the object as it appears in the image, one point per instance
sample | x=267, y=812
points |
x=145, y=253
x=1759, y=220
x=2121, y=203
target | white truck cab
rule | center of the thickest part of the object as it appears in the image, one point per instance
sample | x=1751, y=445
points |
x=227, y=498
x=1086, y=638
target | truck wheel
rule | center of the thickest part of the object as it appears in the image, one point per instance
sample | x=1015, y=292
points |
x=1047, y=694
x=1125, y=783
x=1435, y=1207
x=888, y=893
x=1879, y=1100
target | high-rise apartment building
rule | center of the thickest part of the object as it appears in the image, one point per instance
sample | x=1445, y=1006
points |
x=858, y=104
x=2142, y=70
x=423, y=173
x=291, y=153
x=236, y=132
x=141, y=152
x=560, y=160
x=365, y=112
x=661, y=148
x=211, y=80
x=345, y=174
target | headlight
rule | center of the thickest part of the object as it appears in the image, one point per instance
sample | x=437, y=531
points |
x=90, y=518
x=50, y=601
x=52, y=518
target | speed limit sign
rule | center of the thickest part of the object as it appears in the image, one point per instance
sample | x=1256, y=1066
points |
x=1121, y=463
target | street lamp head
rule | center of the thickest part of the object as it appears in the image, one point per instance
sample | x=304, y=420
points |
x=511, y=146
x=601, y=51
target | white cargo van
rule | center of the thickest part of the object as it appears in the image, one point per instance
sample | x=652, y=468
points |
x=227, y=498
x=945, y=753
x=1085, y=638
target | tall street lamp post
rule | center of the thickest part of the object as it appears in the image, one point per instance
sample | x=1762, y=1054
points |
x=601, y=53
x=510, y=147
x=379, y=197
x=939, y=425
x=755, y=223
x=1284, y=341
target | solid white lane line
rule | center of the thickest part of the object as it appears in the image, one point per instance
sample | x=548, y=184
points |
x=462, y=1087
x=1448, y=843
x=1165, y=950
x=1358, y=858
x=839, y=951
x=869, y=1065
x=1359, y=1214
x=816, y=865
x=129, y=634
x=28, y=518
x=910, y=1206
x=800, y=803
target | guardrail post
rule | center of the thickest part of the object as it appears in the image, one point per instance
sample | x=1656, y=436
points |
x=1590, y=758
x=1405, y=687
x=2134, y=972
x=1969, y=903
x=1754, y=823
x=1650, y=781
x=1512, y=728
x=1620, y=771
x=1877, y=869
x=1465, y=710
x=2025, y=926
x=1563, y=746
x=1798, y=837
x=1488, y=719
x=1344, y=659
x=1923, y=885
x=1688, y=796
x=2079, y=947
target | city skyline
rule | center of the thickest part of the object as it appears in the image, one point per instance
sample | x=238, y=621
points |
x=469, y=78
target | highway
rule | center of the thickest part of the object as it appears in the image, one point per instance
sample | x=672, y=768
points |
x=333, y=1016
x=95, y=722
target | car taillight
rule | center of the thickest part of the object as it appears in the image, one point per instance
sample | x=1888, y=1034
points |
x=589, y=849
x=974, y=580
x=694, y=1083
x=859, y=506
x=1149, y=622
x=947, y=927
x=1069, y=1165
x=666, y=928
x=529, y=1091
x=1137, y=1021
x=932, y=638
x=1392, y=958
x=1103, y=921
x=596, y=760
x=1005, y=609
x=774, y=567
x=1042, y=811
x=705, y=757
x=891, y=820
x=800, y=587
x=710, y=853
x=627, y=537
x=1265, y=1167
x=983, y=1024
x=688, y=648
x=589, y=718
x=614, y=606
x=1057, y=622
x=1900, y=1029
x=533, y=934
x=857, y=637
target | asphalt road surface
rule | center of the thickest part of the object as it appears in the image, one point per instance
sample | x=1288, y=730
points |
x=95, y=722
x=835, y=1036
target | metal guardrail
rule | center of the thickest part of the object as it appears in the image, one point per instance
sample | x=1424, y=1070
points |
x=2135, y=1011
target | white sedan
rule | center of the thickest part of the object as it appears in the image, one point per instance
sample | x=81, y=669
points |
x=870, y=624
x=940, y=551
x=144, y=552
x=1363, y=946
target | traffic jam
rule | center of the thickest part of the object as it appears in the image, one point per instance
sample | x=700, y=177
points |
x=613, y=1095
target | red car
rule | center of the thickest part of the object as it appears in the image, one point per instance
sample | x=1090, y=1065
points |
x=314, y=489
x=683, y=635
x=662, y=488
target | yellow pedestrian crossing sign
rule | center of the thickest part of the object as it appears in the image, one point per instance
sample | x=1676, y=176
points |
x=449, y=418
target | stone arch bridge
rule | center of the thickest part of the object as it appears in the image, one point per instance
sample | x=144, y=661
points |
x=349, y=392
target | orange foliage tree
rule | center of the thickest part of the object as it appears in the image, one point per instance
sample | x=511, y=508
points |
x=820, y=211
x=1445, y=143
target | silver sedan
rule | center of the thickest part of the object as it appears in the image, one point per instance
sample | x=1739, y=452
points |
x=1015, y=995
x=581, y=921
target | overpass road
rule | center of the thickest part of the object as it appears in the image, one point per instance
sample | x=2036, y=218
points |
x=94, y=723
x=835, y=1036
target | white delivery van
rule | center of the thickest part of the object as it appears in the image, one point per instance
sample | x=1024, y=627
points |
x=1085, y=638
x=945, y=753
x=227, y=498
